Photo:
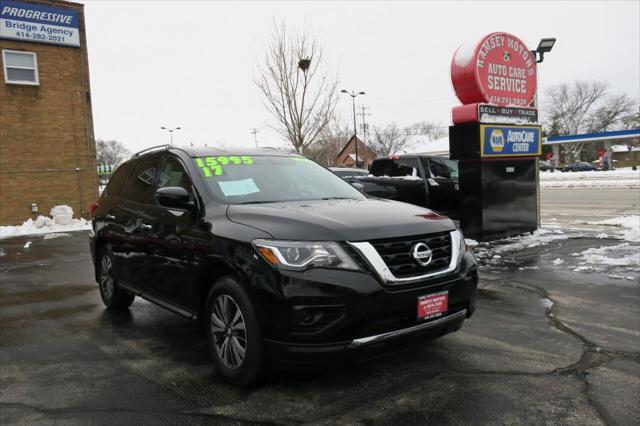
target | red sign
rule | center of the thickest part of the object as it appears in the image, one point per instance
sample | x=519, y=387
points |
x=499, y=70
x=433, y=305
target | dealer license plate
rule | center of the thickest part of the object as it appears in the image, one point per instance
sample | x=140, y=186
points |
x=433, y=305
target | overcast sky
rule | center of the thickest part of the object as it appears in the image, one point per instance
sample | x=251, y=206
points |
x=190, y=64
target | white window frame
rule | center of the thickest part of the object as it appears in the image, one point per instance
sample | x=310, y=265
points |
x=22, y=82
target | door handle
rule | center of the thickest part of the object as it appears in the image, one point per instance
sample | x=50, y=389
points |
x=110, y=217
x=145, y=226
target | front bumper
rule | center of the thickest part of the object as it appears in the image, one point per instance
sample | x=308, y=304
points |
x=364, y=317
x=303, y=356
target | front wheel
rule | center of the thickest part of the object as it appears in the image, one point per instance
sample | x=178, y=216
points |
x=232, y=331
x=113, y=297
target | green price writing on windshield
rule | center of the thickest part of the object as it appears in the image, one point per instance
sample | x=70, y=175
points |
x=214, y=166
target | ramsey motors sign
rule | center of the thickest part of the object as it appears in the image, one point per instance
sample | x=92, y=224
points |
x=502, y=141
x=499, y=70
x=40, y=24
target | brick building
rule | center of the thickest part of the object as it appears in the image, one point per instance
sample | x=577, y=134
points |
x=347, y=155
x=47, y=148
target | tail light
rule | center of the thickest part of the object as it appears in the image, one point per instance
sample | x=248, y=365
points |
x=92, y=209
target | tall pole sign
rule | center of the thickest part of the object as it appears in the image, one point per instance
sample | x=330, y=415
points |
x=496, y=78
x=495, y=136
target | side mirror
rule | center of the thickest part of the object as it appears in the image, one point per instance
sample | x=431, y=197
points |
x=358, y=186
x=174, y=196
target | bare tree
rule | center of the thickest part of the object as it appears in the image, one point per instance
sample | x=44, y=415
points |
x=584, y=107
x=433, y=131
x=330, y=142
x=111, y=152
x=389, y=139
x=298, y=92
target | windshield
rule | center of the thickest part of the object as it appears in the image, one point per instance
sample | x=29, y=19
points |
x=270, y=179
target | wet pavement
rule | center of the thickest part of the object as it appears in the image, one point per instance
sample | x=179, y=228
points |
x=555, y=340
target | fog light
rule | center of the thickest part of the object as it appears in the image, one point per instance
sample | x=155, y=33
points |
x=304, y=316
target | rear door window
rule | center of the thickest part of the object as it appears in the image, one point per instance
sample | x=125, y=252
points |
x=395, y=168
x=443, y=167
x=142, y=179
x=116, y=183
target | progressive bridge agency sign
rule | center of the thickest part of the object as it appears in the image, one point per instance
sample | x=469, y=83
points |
x=509, y=141
x=39, y=24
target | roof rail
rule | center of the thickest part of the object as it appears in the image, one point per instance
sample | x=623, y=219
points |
x=165, y=147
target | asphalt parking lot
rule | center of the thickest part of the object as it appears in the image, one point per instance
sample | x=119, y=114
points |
x=547, y=345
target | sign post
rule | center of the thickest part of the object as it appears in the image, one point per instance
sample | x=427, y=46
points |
x=495, y=136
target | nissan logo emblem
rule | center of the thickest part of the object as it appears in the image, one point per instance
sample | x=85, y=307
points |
x=422, y=254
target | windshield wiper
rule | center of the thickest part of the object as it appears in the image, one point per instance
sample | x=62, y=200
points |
x=259, y=202
x=337, y=198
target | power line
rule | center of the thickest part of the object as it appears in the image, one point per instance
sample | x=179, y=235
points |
x=255, y=132
x=363, y=112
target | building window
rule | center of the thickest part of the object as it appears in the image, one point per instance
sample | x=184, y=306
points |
x=20, y=67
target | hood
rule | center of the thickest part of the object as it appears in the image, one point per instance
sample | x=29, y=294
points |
x=339, y=220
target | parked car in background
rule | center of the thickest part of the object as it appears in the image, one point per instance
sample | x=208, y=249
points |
x=426, y=181
x=278, y=258
x=578, y=167
x=546, y=166
x=348, y=173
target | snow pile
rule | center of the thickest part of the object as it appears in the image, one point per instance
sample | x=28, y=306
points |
x=619, y=178
x=62, y=215
x=407, y=177
x=625, y=255
x=630, y=225
x=540, y=237
x=494, y=251
x=61, y=221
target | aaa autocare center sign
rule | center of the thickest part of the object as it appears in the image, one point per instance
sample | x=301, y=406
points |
x=39, y=24
x=509, y=141
x=499, y=70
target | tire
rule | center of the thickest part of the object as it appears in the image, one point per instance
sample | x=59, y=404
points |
x=232, y=333
x=113, y=296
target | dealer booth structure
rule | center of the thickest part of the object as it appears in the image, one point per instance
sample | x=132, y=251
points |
x=47, y=148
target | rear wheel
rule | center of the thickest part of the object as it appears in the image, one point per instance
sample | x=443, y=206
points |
x=232, y=331
x=113, y=296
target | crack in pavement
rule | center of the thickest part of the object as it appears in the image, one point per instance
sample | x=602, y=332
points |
x=114, y=410
x=592, y=355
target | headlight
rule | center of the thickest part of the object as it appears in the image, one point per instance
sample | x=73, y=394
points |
x=462, y=246
x=301, y=255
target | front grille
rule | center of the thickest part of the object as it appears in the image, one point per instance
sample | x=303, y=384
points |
x=396, y=253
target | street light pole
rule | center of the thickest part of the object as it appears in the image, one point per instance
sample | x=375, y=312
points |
x=170, y=132
x=353, y=95
x=544, y=46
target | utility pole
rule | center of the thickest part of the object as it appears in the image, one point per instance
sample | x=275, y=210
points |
x=255, y=132
x=353, y=95
x=363, y=113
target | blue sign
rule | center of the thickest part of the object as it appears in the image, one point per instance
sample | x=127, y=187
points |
x=38, y=23
x=509, y=141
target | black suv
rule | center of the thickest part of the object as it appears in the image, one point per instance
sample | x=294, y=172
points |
x=279, y=258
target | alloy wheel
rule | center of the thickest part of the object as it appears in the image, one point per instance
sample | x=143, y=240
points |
x=229, y=331
x=106, y=277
